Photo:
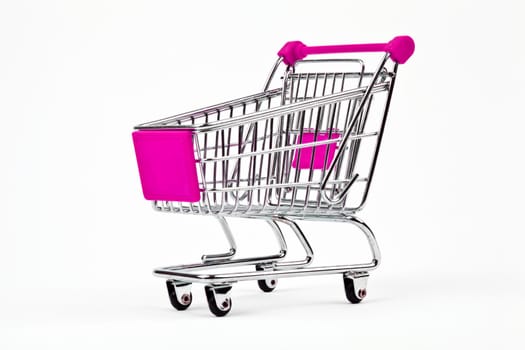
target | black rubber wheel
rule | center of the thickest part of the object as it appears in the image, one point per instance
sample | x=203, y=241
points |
x=351, y=295
x=215, y=309
x=172, y=293
x=264, y=285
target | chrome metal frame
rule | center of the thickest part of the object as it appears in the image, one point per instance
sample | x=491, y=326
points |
x=246, y=150
x=187, y=273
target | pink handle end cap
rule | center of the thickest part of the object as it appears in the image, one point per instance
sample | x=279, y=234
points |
x=292, y=52
x=401, y=48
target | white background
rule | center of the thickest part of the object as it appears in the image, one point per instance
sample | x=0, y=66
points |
x=78, y=242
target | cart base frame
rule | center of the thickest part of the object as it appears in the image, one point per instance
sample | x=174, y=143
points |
x=267, y=268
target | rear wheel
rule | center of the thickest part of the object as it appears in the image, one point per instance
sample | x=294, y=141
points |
x=267, y=285
x=355, y=287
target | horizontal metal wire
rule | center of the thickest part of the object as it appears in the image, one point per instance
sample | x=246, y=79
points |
x=286, y=148
x=313, y=185
x=220, y=107
x=354, y=94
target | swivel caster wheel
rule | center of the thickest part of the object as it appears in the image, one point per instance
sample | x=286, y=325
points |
x=180, y=294
x=355, y=286
x=219, y=300
x=267, y=285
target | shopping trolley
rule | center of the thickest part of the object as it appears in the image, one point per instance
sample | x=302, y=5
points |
x=303, y=151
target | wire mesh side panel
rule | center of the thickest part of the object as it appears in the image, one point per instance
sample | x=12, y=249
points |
x=275, y=165
x=330, y=122
x=307, y=80
x=217, y=151
x=229, y=167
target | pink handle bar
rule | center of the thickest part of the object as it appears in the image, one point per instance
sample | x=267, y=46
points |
x=400, y=49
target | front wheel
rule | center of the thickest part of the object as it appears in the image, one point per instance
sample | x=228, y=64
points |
x=179, y=294
x=355, y=287
x=219, y=301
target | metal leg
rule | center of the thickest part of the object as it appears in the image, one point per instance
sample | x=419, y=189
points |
x=225, y=259
x=304, y=242
x=372, y=242
x=268, y=285
x=233, y=248
x=279, y=236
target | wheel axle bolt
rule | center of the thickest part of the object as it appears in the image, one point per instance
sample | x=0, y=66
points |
x=225, y=304
x=185, y=298
x=361, y=293
x=272, y=282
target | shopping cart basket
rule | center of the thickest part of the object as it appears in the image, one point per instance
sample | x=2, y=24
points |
x=306, y=150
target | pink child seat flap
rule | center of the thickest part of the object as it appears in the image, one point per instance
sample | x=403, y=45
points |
x=167, y=165
x=317, y=152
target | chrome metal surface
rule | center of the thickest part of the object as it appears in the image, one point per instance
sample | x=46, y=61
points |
x=272, y=74
x=188, y=272
x=249, y=151
x=340, y=152
x=250, y=155
x=304, y=242
x=233, y=247
x=227, y=259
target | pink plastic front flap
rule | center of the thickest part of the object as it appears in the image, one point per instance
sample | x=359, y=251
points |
x=167, y=165
x=305, y=158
